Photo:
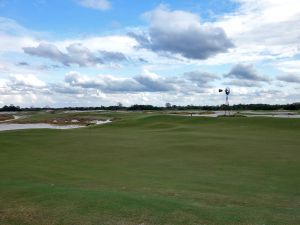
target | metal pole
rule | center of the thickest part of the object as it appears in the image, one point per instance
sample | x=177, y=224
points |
x=226, y=105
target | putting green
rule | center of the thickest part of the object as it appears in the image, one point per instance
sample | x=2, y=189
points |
x=153, y=169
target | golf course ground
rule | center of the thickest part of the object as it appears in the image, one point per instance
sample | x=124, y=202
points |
x=152, y=169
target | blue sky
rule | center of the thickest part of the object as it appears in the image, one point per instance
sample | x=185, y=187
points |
x=100, y=52
x=65, y=17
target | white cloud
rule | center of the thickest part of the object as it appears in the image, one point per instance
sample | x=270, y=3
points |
x=13, y=36
x=10, y=43
x=27, y=80
x=261, y=30
x=289, y=66
x=25, y=90
x=114, y=43
x=253, y=14
x=95, y=4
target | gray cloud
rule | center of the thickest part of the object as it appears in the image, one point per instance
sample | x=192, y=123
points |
x=112, y=56
x=65, y=89
x=76, y=54
x=142, y=60
x=22, y=64
x=243, y=83
x=82, y=56
x=200, y=78
x=289, y=78
x=47, y=51
x=154, y=84
x=245, y=72
x=110, y=84
x=38, y=67
x=180, y=32
x=140, y=83
x=194, y=81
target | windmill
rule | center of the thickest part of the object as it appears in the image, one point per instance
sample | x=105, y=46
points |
x=227, y=92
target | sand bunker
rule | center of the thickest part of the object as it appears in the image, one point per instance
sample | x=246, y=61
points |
x=15, y=126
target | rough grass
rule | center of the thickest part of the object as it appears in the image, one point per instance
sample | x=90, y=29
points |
x=153, y=169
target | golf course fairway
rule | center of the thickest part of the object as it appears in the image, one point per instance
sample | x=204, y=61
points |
x=153, y=169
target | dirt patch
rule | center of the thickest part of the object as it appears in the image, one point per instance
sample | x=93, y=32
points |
x=4, y=117
x=57, y=121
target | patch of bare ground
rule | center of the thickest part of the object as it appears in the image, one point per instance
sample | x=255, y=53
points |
x=60, y=121
x=4, y=117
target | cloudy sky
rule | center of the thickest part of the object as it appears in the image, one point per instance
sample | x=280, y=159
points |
x=101, y=52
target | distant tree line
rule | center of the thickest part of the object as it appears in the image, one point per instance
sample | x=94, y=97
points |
x=10, y=108
x=168, y=106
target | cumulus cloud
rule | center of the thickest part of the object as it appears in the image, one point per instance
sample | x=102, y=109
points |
x=200, y=78
x=112, y=56
x=76, y=54
x=154, y=82
x=245, y=72
x=108, y=83
x=290, y=78
x=288, y=66
x=243, y=83
x=66, y=89
x=95, y=4
x=26, y=80
x=147, y=81
x=180, y=32
x=83, y=90
x=261, y=30
x=23, y=89
x=105, y=83
x=47, y=51
x=147, y=88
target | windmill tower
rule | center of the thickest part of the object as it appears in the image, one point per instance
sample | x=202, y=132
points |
x=227, y=92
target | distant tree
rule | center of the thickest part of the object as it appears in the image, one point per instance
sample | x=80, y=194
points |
x=144, y=107
x=10, y=108
x=120, y=105
x=168, y=105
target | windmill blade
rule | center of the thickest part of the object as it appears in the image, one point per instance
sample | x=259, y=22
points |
x=227, y=91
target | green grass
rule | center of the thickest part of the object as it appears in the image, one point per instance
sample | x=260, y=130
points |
x=153, y=169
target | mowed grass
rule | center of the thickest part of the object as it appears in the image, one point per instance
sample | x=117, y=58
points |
x=153, y=169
